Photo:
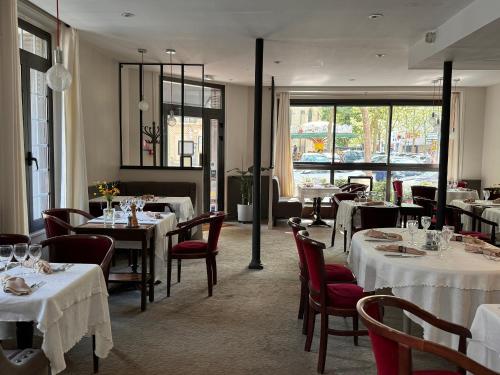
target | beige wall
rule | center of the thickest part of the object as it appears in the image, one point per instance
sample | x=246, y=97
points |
x=473, y=124
x=491, y=137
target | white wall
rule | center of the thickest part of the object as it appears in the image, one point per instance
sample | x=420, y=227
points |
x=491, y=138
x=473, y=124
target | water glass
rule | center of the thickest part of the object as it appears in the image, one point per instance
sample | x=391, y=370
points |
x=426, y=222
x=6, y=252
x=360, y=195
x=35, y=253
x=21, y=252
x=486, y=194
x=412, y=226
x=446, y=236
x=140, y=204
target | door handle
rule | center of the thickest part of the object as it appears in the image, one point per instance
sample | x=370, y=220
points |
x=30, y=159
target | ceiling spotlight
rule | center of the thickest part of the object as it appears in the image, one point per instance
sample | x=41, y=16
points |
x=127, y=14
x=430, y=37
x=170, y=51
x=208, y=77
x=375, y=16
x=352, y=79
x=277, y=61
x=380, y=55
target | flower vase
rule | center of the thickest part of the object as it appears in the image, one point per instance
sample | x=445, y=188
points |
x=109, y=214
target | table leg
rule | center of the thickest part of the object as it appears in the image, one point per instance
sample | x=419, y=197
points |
x=144, y=272
x=134, y=261
x=24, y=334
x=317, y=214
x=152, y=268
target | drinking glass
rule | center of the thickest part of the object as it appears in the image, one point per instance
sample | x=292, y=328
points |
x=446, y=235
x=6, y=252
x=140, y=204
x=486, y=194
x=35, y=253
x=360, y=195
x=21, y=252
x=412, y=226
x=426, y=222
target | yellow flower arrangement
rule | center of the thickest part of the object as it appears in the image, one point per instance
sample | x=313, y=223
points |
x=107, y=190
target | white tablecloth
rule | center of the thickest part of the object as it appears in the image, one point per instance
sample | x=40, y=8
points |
x=70, y=305
x=460, y=193
x=484, y=347
x=167, y=223
x=451, y=287
x=182, y=205
x=467, y=220
x=319, y=191
x=492, y=214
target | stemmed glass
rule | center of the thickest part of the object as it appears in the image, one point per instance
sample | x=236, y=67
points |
x=360, y=195
x=6, y=252
x=124, y=206
x=486, y=194
x=21, y=252
x=412, y=226
x=140, y=204
x=35, y=252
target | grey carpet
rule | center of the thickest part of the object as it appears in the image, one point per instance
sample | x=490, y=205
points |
x=249, y=326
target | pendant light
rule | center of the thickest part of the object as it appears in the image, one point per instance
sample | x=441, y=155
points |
x=143, y=104
x=171, y=121
x=433, y=120
x=58, y=77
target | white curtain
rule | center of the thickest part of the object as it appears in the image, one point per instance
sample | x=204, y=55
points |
x=283, y=163
x=74, y=191
x=13, y=199
x=454, y=154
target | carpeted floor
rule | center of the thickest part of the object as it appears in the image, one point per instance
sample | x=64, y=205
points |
x=249, y=326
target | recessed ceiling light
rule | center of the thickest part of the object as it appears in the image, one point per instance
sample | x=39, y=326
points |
x=170, y=51
x=127, y=14
x=380, y=55
x=209, y=77
x=352, y=79
x=375, y=16
x=277, y=61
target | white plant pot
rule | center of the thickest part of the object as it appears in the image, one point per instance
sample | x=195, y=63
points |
x=245, y=213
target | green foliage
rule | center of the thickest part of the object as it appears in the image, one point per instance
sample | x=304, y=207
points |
x=246, y=182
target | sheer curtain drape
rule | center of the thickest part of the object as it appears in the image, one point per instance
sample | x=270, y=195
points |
x=13, y=199
x=454, y=151
x=74, y=192
x=283, y=163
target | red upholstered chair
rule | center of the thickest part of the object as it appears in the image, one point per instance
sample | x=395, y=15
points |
x=57, y=220
x=428, y=192
x=83, y=248
x=393, y=349
x=195, y=249
x=12, y=239
x=327, y=299
x=462, y=184
x=397, y=185
x=376, y=217
x=335, y=273
x=336, y=199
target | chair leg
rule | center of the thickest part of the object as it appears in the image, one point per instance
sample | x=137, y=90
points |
x=214, y=270
x=323, y=343
x=209, y=276
x=333, y=232
x=179, y=265
x=94, y=357
x=169, y=273
x=303, y=296
x=355, y=328
x=345, y=241
x=305, y=320
x=311, y=318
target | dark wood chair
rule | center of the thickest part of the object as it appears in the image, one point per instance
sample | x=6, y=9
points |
x=58, y=220
x=393, y=349
x=462, y=184
x=376, y=217
x=397, y=185
x=12, y=239
x=429, y=208
x=428, y=192
x=196, y=249
x=361, y=180
x=336, y=199
x=283, y=207
x=335, y=273
x=83, y=248
x=453, y=217
x=352, y=188
x=327, y=299
x=23, y=362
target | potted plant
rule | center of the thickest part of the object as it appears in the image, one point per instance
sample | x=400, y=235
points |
x=245, y=208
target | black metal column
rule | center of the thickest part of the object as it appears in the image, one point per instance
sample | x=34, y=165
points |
x=271, y=151
x=255, y=264
x=444, y=144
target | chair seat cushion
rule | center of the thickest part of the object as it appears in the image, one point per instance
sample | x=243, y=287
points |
x=191, y=246
x=344, y=296
x=435, y=372
x=480, y=235
x=338, y=273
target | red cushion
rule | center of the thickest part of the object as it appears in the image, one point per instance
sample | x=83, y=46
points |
x=191, y=246
x=338, y=272
x=344, y=296
x=435, y=372
x=480, y=235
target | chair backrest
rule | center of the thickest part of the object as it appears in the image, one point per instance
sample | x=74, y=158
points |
x=452, y=216
x=363, y=180
x=53, y=228
x=276, y=190
x=215, y=221
x=378, y=217
x=429, y=205
x=296, y=224
x=392, y=348
x=315, y=263
x=462, y=184
x=82, y=248
x=353, y=187
x=12, y=239
x=397, y=185
x=337, y=198
x=428, y=192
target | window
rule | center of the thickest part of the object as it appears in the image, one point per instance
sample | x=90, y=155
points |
x=37, y=116
x=386, y=140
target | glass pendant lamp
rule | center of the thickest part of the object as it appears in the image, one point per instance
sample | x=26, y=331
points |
x=58, y=77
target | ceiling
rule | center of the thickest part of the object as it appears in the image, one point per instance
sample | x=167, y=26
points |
x=317, y=43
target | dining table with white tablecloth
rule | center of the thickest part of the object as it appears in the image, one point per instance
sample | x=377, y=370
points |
x=65, y=307
x=478, y=206
x=451, y=287
x=484, y=346
x=459, y=193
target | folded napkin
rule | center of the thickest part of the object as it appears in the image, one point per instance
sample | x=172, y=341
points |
x=469, y=200
x=478, y=246
x=400, y=249
x=16, y=285
x=375, y=203
x=496, y=201
x=41, y=266
x=372, y=233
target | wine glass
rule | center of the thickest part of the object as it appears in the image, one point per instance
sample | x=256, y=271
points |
x=412, y=226
x=21, y=252
x=486, y=194
x=360, y=195
x=35, y=253
x=6, y=252
x=426, y=222
x=140, y=204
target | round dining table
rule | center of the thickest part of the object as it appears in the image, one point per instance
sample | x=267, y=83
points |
x=451, y=285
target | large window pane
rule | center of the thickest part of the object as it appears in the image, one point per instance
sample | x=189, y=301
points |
x=361, y=134
x=310, y=176
x=414, y=137
x=311, y=131
x=341, y=177
x=410, y=178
